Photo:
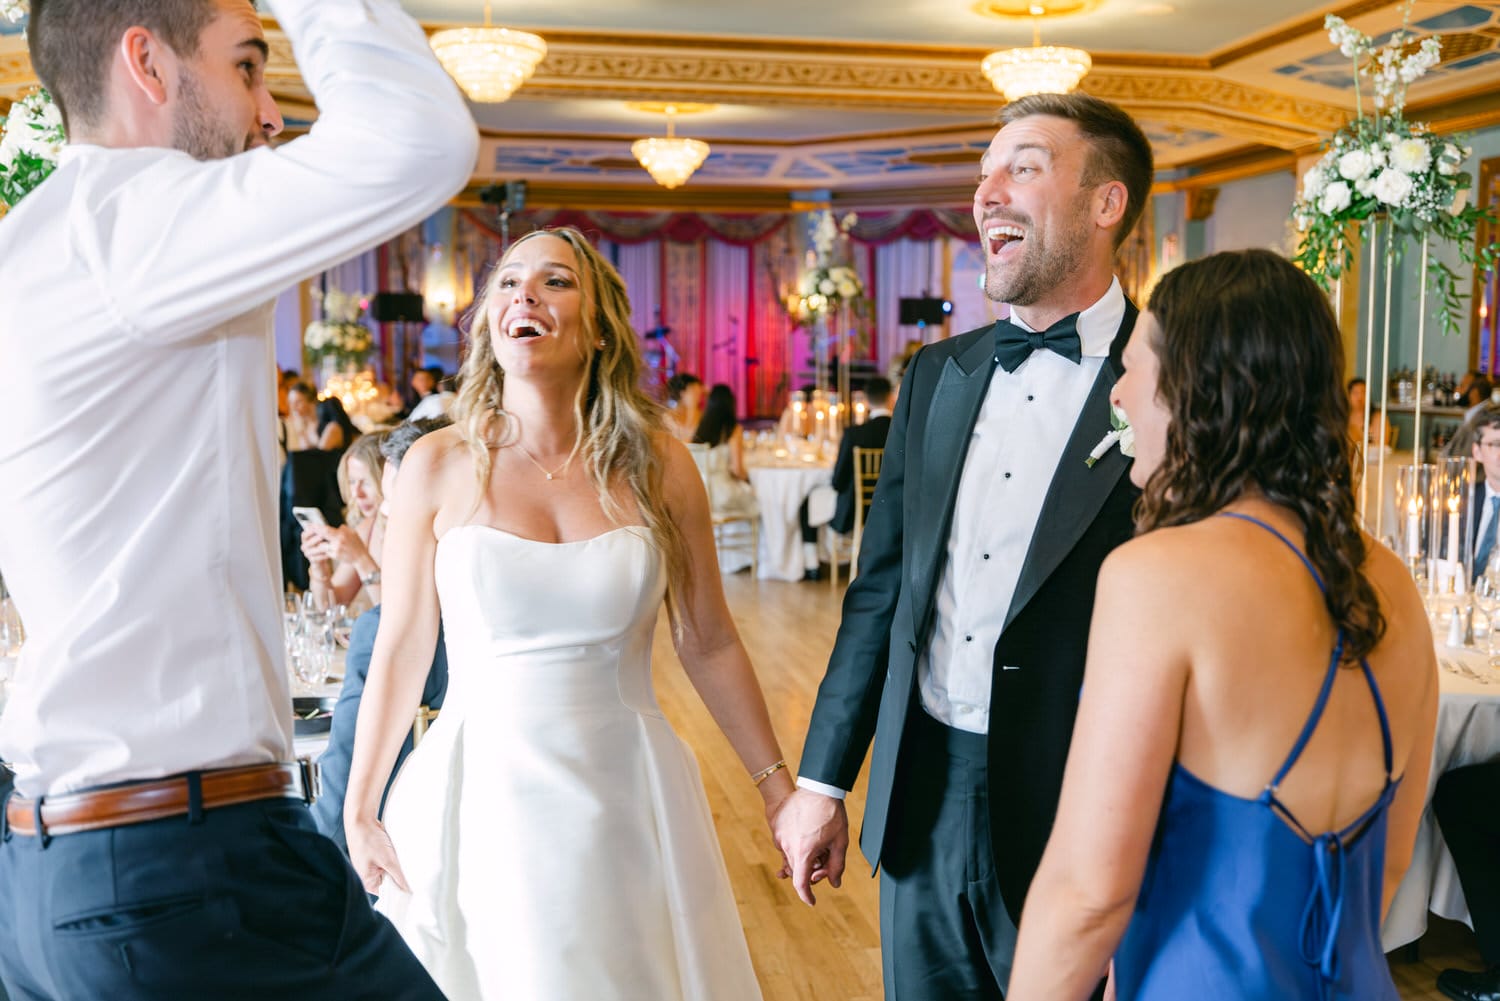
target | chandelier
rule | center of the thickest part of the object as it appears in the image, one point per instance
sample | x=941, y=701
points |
x=671, y=160
x=488, y=63
x=1040, y=69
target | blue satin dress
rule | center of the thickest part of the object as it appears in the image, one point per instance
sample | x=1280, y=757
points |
x=1241, y=902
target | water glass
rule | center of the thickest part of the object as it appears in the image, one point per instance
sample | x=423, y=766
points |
x=343, y=626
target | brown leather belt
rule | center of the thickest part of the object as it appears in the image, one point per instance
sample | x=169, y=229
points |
x=140, y=802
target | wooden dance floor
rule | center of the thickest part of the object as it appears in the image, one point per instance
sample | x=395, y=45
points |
x=833, y=950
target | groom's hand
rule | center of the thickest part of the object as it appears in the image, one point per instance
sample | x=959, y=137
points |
x=812, y=832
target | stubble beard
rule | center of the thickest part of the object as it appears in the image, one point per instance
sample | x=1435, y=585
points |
x=195, y=131
x=1043, y=267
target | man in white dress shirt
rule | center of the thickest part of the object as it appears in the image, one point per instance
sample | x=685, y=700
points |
x=962, y=644
x=156, y=845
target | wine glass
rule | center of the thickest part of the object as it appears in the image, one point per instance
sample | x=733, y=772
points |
x=343, y=626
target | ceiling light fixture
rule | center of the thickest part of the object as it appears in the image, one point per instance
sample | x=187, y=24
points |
x=488, y=63
x=670, y=160
x=1039, y=69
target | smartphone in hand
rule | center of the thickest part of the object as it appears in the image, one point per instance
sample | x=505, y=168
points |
x=307, y=517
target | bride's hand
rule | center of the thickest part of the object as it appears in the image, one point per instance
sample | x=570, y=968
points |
x=373, y=856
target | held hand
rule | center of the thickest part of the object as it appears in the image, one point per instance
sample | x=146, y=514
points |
x=373, y=856
x=812, y=832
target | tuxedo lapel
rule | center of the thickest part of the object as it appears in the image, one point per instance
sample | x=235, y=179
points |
x=951, y=413
x=1078, y=490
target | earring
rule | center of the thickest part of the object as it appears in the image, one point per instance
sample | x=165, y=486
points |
x=602, y=343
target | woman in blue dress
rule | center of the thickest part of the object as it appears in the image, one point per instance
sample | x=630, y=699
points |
x=1250, y=759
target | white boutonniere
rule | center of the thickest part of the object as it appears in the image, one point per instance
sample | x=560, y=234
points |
x=1120, y=433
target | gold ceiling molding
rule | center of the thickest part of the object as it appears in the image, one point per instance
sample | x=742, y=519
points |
x=1228, y=99
x=1300, y=28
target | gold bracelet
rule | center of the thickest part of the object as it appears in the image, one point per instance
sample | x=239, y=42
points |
x=767, y=772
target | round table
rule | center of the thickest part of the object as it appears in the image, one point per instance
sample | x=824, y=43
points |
x=1468, y=732
x=781, y=485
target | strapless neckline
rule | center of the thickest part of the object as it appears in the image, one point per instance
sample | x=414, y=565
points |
x=636, y=530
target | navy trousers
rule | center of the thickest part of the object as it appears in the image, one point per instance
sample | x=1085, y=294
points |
x=242, y=902
x=945, y=932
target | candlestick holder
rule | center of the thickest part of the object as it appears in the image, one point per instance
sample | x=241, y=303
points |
x=1417, y=489
x=1453, y=525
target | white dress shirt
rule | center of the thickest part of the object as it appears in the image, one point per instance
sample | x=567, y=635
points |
x=1023, y=425
x=138, y=514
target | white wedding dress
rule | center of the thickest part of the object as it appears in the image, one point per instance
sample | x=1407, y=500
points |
x=552, y=828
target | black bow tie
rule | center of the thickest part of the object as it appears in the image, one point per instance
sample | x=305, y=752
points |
x=1014, y=345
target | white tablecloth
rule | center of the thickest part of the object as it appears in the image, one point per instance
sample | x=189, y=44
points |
x=1468, y=732
x=780, y=490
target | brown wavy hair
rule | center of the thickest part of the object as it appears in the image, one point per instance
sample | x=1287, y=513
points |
x=1251, y=374
x=618, y=425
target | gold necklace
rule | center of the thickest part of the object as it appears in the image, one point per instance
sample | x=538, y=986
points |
x=543, y=469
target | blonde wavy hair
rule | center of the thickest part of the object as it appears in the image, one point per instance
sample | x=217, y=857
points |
x=618, y=424
x=366, y=448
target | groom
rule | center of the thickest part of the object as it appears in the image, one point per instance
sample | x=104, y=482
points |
x=962, y=645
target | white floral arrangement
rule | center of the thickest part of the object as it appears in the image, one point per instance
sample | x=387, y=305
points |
x=13, y=10
x=1382, y=165
x=339, y=334
x=826, y=286
x=31, y=137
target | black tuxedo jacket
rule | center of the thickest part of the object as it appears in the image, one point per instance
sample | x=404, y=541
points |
x=888, y=610
x=871, y=434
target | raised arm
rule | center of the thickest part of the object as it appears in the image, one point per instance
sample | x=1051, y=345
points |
x=708, y=643
x=393, y=142
x=404, y=648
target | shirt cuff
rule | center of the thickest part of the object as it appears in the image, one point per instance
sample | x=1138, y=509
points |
x=821, y=787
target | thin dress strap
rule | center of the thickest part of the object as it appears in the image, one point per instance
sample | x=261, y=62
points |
x=1322, y=916
x=1327, y=688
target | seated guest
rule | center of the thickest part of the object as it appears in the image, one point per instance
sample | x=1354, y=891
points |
x=333, y=766
x=1483, y=434
x=346, y=559
x=336, y=431
x=1357, y=396
x=438, y=403
x=424, y=382
x=1469, y=815
x=728, y=481
x=1255, y=728
x=301, y=417
x=870, y=434
x=684, y=403
x=284, y=379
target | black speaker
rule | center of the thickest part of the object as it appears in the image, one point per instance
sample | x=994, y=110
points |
x=508, y=197
x=925, y=311
x=396, y=307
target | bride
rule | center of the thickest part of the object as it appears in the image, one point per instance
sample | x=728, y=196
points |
x=550, y=839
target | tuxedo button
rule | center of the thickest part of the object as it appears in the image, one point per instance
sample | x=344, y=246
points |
x=986, y=555
x=1007, y=476
x=968, y=639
